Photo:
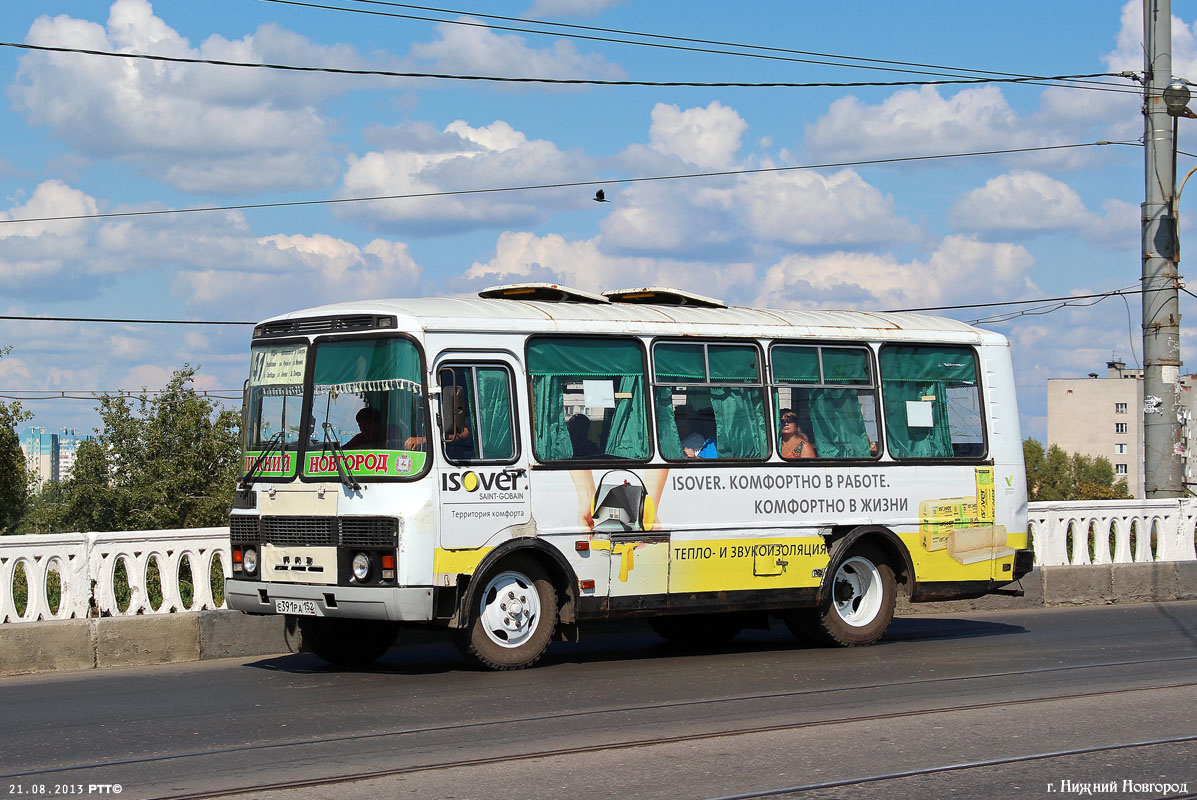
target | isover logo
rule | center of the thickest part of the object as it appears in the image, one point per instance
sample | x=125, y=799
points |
x=485, y=481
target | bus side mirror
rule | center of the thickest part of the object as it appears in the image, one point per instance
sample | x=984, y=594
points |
x=453, y=406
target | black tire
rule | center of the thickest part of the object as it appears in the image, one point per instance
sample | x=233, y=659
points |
x=858, y=606
x=510, y=632
x=697, y=630
x=347, y=642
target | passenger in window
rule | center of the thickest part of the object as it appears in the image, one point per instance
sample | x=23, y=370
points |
x=794, y=441
x=579, y=436
x=371, y=433
x=696, y=429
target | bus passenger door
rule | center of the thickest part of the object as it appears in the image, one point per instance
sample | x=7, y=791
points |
x=483, y=467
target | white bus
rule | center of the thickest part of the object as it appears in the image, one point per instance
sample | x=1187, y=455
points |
x=510, y=466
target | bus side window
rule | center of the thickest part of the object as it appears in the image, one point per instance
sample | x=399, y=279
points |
x=932, y=401
x=600, y=378
x=710, y=401
x=824, y=401
x=477, y=413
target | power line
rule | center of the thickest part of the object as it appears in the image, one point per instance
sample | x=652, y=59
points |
x=34, y=395
x=1040, y=300
x=693, y=40
x=1128, y=290
x=566, y=185
x=686, y=48
x=125, y=321
x=551, y=81
x=1043, y=310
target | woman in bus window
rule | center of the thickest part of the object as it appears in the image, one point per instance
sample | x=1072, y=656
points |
x=794, y=441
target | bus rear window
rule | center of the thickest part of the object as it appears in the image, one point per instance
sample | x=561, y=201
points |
x=932, y=402
x=588, y=399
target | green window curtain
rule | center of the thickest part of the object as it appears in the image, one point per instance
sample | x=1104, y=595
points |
x=739, y=422
x=845, y=366
x=679, y=363
x=795, y=364
x=838, y=426
x=670, y=442
x=554, y=363
x=919, y=373
x=357, y=361
x=494, y=414
x=733, y=364
x=551, y=436
x=628, y=436
x=584, y=357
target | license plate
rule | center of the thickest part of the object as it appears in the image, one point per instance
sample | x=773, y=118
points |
x=304, y=608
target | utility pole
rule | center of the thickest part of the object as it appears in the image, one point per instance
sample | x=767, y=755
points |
x=1162, y=442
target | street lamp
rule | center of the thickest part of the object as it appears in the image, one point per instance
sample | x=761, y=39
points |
x=1176, y=100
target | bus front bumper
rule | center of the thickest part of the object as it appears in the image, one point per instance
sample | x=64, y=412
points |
x=399, y=604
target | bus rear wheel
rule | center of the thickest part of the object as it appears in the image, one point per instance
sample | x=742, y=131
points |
x=697, y=630
x=347, y=642
x=512, y=618
x=858, y=604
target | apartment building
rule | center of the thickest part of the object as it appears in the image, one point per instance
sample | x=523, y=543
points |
x=1099, y=416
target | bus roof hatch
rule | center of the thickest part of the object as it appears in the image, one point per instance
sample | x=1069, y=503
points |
x=544, y=292
x=663, y=296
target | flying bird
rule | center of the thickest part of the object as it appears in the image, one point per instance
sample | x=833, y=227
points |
x=601, y=197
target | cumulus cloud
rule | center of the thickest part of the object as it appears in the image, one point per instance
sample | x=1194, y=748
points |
x=217, y=261
x=750, y=212
x=880, y=280
x=584, y=265
x=196, y=127
x=916, y=122
x=480, y=51
x=1021, y=202
x=419, y=160
x=282, y=272
x=708, y=137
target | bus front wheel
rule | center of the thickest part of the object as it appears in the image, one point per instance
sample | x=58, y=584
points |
x=512, y=618
x=858, y=604
x=347, y=642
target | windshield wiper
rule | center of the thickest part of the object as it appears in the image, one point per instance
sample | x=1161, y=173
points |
x=339, y=457
x=275, y=441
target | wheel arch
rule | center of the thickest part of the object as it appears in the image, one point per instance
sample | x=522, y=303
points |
x=561, y=574
x=885, y=540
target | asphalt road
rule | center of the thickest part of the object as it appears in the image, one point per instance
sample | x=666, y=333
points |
x=998, y=704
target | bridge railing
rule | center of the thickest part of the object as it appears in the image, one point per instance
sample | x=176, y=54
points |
x=83, y=567
x=1112, y=531
x=66, y=575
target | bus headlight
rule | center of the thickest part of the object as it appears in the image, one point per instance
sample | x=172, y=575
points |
x=361, y=567
x=249, y=559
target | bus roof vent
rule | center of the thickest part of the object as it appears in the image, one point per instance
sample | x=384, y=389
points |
x=545, y=292
x=303, y=326
x=663, y=296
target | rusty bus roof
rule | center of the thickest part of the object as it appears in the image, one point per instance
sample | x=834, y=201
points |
x=473, y=314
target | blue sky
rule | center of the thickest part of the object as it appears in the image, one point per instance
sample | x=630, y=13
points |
x=87, y=134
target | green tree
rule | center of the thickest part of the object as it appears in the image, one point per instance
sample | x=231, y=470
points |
x=1056, y=475
x=167, y=460
x=14, y=480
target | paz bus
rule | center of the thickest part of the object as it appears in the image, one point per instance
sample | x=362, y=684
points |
x=510, y=466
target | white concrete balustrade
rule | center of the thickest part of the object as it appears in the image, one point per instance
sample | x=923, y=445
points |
x=1117, y=531
x=86, y=565
x=1062, y=533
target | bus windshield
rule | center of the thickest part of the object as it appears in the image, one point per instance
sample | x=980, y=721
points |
x=274, y=397
x=368, y=398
